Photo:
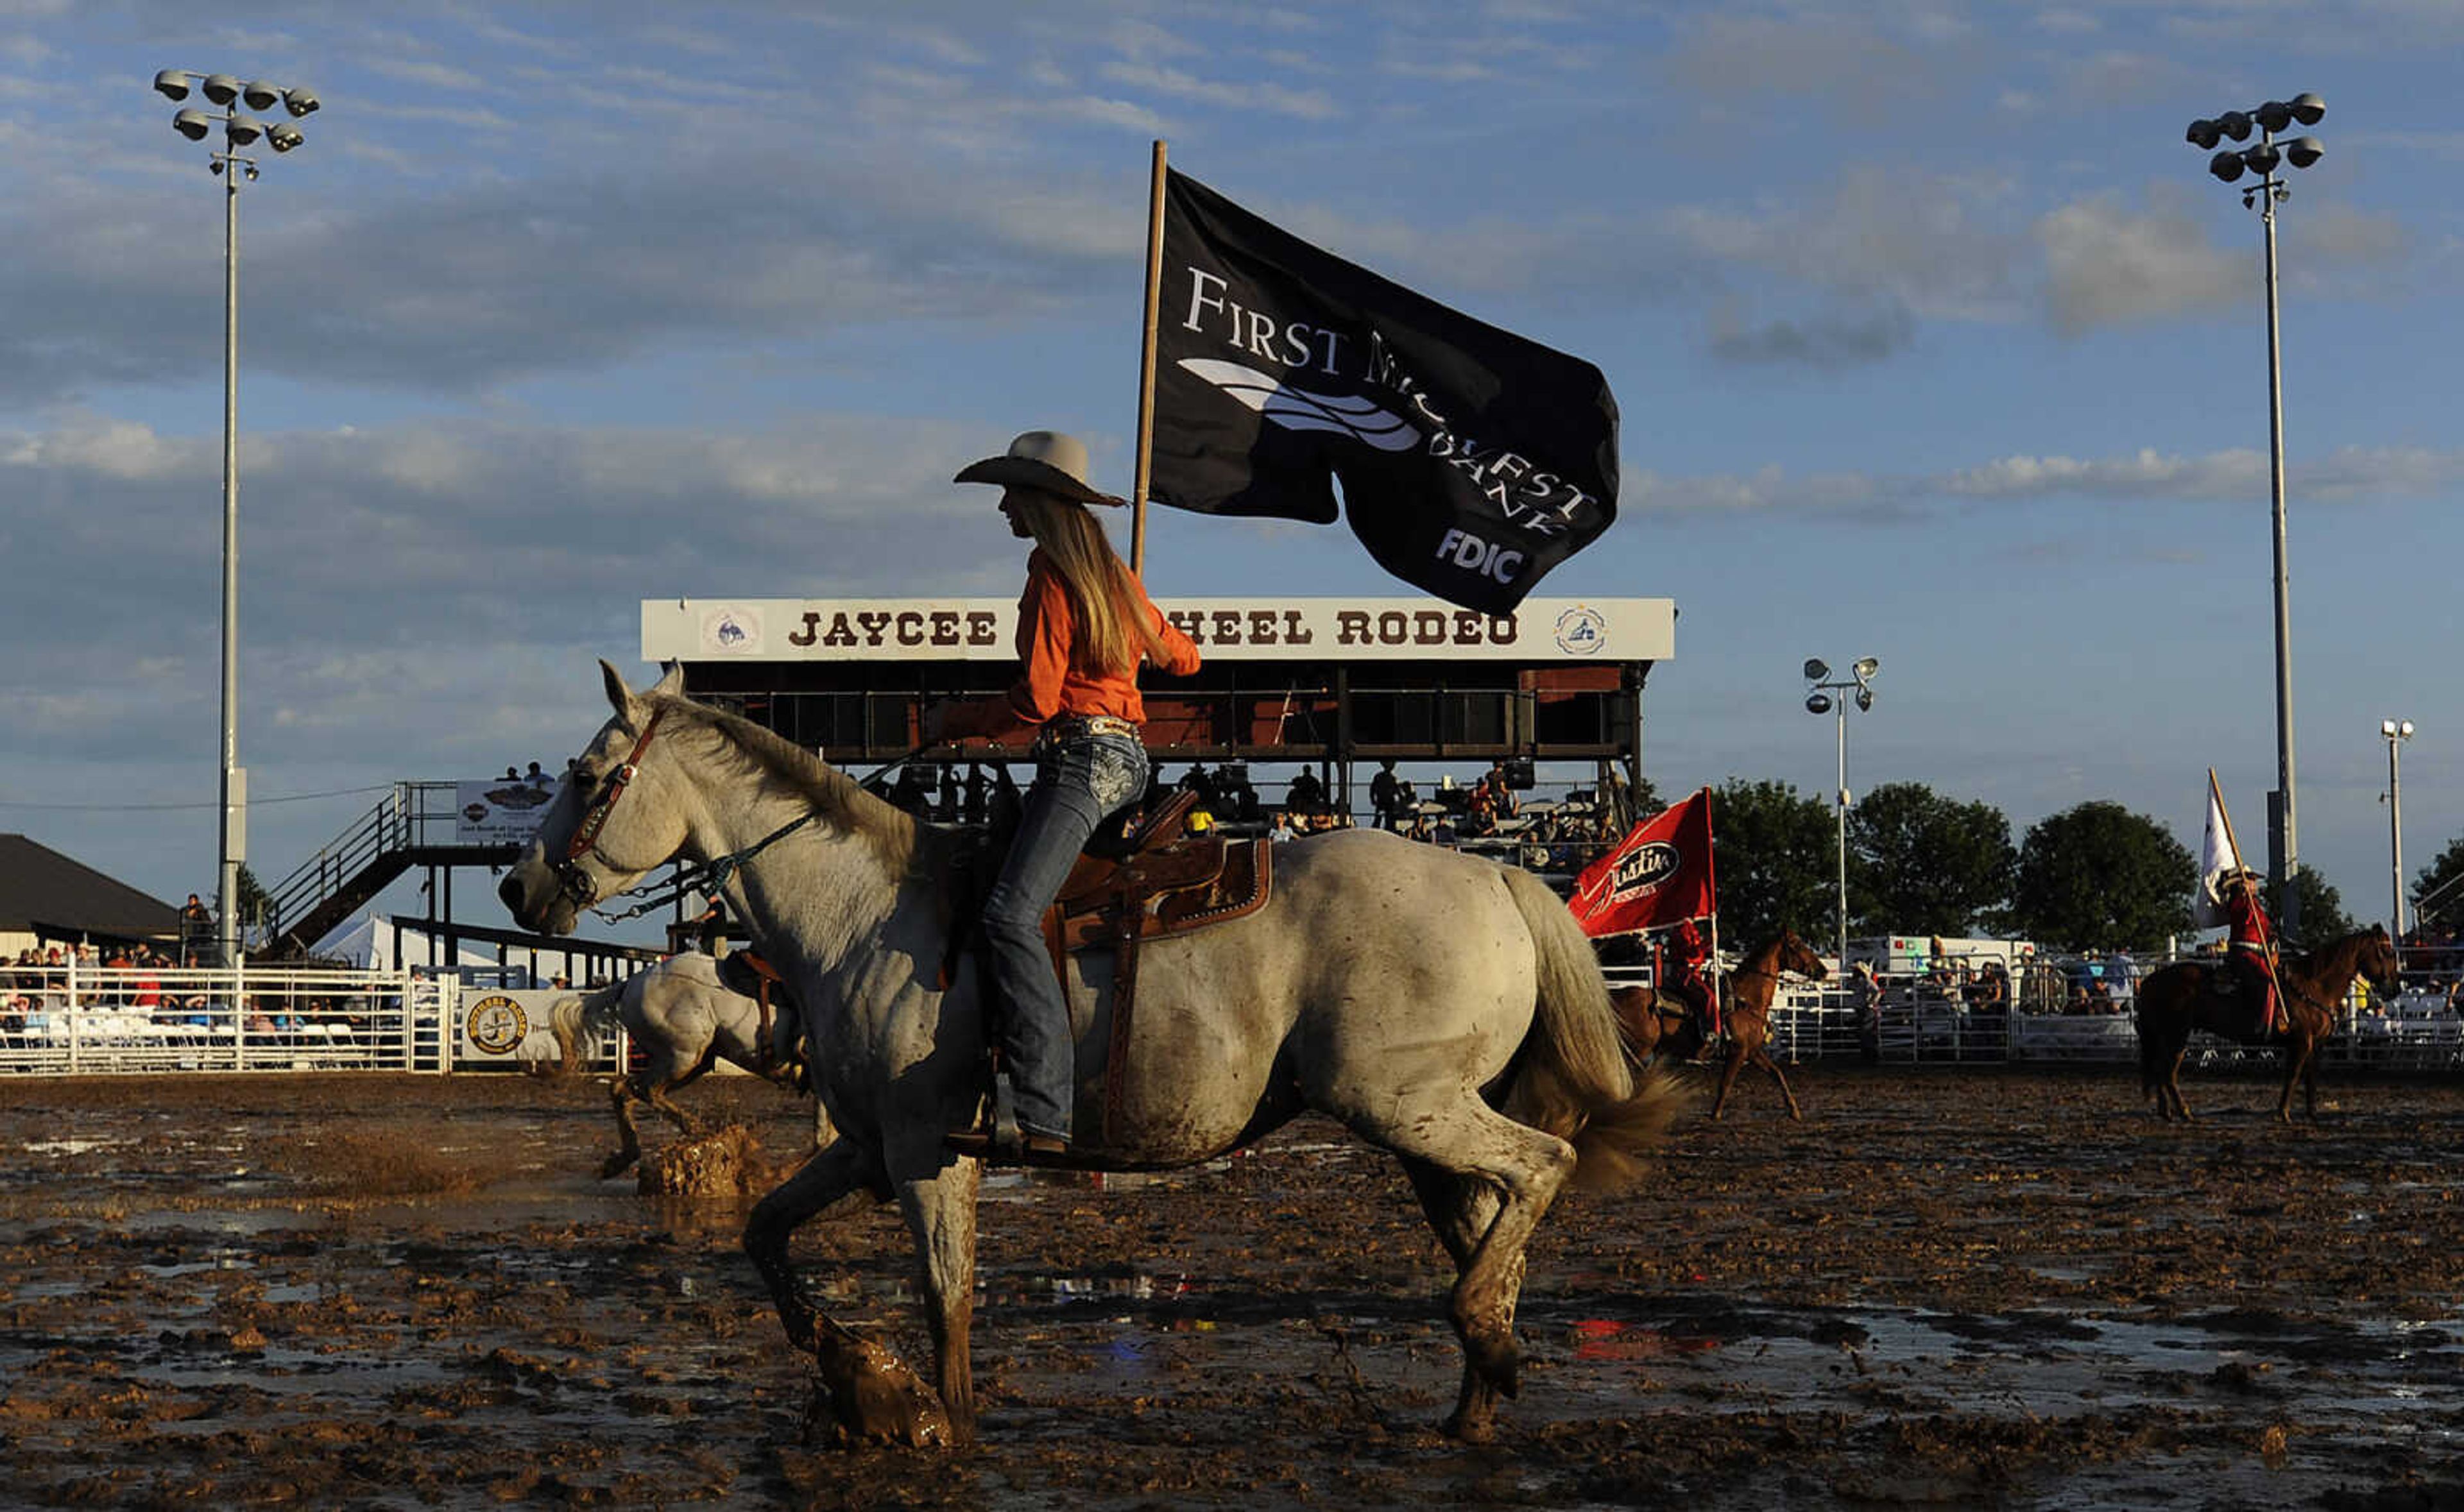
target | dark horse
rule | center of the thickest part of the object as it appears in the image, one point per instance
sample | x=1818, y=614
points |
x=1658, y=1023
x=2182, y=997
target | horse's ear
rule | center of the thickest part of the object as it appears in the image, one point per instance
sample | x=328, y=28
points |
x=619, y=697
x=672, y=681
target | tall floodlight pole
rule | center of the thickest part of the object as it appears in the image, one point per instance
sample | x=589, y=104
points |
x=1819, y=699
x=239, y=129
x=2397, y=731
x=2284, y=861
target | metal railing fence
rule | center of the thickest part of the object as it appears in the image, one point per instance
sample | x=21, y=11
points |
x=81, y=1019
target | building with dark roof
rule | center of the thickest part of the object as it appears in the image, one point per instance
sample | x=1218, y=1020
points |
x=45, y=895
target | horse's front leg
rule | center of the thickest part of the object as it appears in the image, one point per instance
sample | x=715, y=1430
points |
x=1736, y=1063
x=941, y=1211
x=2302, y=1073
x=872, y=1393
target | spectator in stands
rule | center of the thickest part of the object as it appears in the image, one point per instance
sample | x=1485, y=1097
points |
x=1421, y=829
x=1385, y=799
x=1306, y=793
x=535, y=777
x=512, y=774
x=1282, y=830
x=1502, y=802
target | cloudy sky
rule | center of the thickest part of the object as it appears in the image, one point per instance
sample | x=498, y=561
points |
x=1934, y=341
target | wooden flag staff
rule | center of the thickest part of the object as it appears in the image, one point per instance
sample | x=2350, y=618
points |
x=1147, y=369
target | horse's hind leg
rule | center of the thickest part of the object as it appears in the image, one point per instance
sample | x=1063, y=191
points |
x=677, y=1080
x=1525, y=1166
x=1761, y=1057
x=1460, y=1210
x=628, y=1148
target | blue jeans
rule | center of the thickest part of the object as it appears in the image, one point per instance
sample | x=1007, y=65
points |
x=1080, y=780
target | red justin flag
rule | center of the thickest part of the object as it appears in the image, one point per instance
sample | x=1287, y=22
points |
x=1659, y=874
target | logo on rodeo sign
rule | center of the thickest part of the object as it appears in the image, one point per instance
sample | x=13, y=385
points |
x=496, y=1024
x=1651, y=864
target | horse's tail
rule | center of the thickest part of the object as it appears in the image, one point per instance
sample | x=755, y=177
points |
x=1577, y=1081
x=581, y=1021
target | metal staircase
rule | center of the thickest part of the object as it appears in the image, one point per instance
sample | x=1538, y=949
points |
x=414, y=824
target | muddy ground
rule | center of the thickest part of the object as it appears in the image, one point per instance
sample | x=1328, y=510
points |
x=1967, y=1289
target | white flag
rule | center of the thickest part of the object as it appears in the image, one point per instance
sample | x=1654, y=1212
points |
x=2215, y=858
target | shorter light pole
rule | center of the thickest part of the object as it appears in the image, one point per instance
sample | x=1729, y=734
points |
x=1819, y=700
x=2397, y=731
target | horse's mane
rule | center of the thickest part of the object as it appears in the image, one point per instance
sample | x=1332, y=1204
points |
x=890, y=831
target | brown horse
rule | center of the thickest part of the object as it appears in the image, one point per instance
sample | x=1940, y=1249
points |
x=2182, y=997
x=1655, y=1023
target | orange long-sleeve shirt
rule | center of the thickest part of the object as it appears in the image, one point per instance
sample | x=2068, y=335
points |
x=1052, y=680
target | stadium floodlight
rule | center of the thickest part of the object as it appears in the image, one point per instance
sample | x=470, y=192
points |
x=2397, y=731
x=2263, y=159
x=232, y=165
x=1819, y=700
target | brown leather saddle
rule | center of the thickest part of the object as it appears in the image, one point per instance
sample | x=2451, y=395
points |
x=1137, y=882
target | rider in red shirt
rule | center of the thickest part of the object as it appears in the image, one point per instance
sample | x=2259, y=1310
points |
x=2251, y=955
x=1684, y=957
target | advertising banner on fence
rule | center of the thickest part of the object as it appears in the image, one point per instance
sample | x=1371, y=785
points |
x=504, y=812
x=504, y=1027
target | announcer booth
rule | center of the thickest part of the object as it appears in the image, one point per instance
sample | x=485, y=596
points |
x=1323, y=683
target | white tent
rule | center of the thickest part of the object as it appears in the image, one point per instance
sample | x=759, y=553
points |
x=368, y=942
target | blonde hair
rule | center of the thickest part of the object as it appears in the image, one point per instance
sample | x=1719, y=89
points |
x=1114, y=633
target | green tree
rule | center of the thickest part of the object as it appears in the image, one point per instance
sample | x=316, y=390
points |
x=1775, y=849
x=1921, y=863
x=2323, y=908
x=2098, y=876
x=2439, y=893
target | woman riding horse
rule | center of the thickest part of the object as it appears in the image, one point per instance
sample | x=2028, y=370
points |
x=1084, y=623
x=2182, y=997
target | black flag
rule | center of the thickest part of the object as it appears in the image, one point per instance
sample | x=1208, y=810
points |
x=1472, y=460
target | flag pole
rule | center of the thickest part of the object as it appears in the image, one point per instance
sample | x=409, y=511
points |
x=1147, y=367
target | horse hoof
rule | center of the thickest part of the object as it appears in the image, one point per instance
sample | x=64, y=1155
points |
x=1497, y=1362
x=1464, y=1427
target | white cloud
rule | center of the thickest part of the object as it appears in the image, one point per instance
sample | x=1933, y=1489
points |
x=2107, y=265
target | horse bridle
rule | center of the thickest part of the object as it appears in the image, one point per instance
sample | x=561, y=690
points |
x=570, y=878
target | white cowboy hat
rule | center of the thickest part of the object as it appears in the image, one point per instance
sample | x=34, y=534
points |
x=1040, y=459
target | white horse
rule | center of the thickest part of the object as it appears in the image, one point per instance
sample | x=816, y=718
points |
x=685, y=1020
x=1441, y=1006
